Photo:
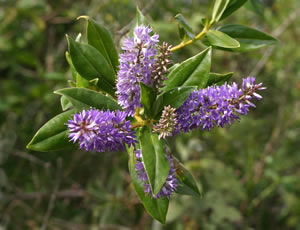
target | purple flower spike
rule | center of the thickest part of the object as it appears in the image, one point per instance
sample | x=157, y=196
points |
x=171, y=182
x=101, y=131
x=217, y=105
x=136, y=65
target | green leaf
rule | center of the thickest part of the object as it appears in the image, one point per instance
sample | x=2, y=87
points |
x=249, y=38
x=65, y=103
x=185, y=29
x=83, y=98
x=218, y=10
x=157, y=208
x=218, y=78
x=256, y=6
x=231, y=7
x=91, y=64
x=192, y=72
x=140, y=19
x=73, y=70
x=100, y=38
x=156, y=163
x=81, y=82
x=186, y=182
x=174, y=97
x=219, y=39
x=148, y=96
x=53, y=135
x=173, y=67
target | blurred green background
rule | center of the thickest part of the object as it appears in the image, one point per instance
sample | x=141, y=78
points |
x=249, y=173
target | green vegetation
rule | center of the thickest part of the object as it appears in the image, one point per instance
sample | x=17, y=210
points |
x=248, y=173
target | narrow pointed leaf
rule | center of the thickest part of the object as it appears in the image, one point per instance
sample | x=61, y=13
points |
x=218, y=78
x=256, y=6
x=219, y=8
x=81, y=82
x=249, y=38
x=192, y=72
x=155, y=161
x=83, y=98
x=220, y=39
x=140, y=19
x=148, y=96
x=53, y=135
x=100, y=38
x=174, y=97
x=232, y=7
x=91, y=64
x=157, y=208
x=186, y=182
x=65, y=103
x=73, y=70
x=185, y=29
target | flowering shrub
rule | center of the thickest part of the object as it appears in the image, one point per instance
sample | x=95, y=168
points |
x=136, y=99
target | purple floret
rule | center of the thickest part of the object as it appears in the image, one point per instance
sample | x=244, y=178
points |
x=171, y=182
x=217, y=105
x=136, y=65
x=101, y=131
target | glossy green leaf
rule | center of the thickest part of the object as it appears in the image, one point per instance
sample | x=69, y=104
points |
x=148, y=96
x=157, y=208
x=220, y=39
x=91, y=64
x=100, y=38
x=219, y=8
x=218, y=78
x=249, y=38
x=185, y=29
x=65, y=103
x=53, y=135
x=173, y=67
x=155, y=161
x=186, y=182
x=174, y=97
x=232, y=7
x=192, y=72
x=83, y=98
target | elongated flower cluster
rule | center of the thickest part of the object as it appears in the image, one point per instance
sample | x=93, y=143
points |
x=136, y=65
x=217, y=105
x=101, y=131
x=167, y=122
x=171, y=182
x=161, y=65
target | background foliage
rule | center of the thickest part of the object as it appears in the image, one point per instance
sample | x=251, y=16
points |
x=248, y=172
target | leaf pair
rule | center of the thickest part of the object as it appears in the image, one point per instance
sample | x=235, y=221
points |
x=223, y=8
x=54, y=134
x=157, y=169
x=98, y=58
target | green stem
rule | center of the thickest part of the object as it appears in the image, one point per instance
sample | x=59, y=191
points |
x=198, y=37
